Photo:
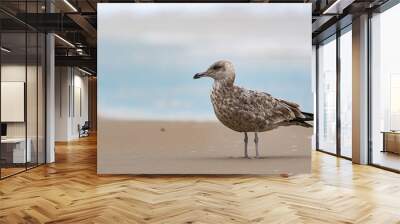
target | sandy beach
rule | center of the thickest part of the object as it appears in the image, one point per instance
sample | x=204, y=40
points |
x=185, y=147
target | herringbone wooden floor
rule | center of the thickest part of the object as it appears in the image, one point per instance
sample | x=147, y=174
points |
x=69, y=191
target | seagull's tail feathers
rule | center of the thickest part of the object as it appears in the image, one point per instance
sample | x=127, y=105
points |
x=308, y=116
x=302, y=121
x=300, y=116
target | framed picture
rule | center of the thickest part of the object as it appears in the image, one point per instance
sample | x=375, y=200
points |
x=204, y=88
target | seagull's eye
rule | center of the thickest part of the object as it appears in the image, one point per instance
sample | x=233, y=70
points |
x=217, y=67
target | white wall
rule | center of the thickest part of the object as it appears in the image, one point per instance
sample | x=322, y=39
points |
x=12, y=73
x=71, y=93
x=62, y=81
x=34, y=125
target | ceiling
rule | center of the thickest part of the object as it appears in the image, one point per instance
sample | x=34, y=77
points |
x=75, y=21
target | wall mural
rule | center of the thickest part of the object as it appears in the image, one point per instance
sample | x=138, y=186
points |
x=248, y=111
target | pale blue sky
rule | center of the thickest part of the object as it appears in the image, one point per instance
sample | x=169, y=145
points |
x=148, y=54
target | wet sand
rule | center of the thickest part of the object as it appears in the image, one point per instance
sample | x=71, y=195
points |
x=168, y=147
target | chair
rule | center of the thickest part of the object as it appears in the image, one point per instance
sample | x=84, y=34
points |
x=84, y=130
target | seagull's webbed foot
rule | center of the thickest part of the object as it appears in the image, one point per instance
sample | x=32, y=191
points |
x=246, y=140
x=256, y=143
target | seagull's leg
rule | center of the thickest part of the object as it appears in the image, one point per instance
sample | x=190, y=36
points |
x=256, y=141
x=246, y=139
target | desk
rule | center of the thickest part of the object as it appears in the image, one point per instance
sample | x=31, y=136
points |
x=391, y=141
x=13, y=150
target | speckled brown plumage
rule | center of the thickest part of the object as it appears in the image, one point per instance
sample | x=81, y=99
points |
x=245, y=110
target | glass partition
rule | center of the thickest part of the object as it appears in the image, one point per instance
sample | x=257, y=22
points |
x=41, y=97
x=346, y=93
x=327, y=96
x=13, y=114
x=22, y=101
x=385, y=89
x=31, y=99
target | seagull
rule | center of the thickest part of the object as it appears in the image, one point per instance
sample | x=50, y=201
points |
x=245, y=110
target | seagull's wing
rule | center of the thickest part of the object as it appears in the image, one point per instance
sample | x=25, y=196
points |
x=278, y=110
x=265, y=107
x=294, y=107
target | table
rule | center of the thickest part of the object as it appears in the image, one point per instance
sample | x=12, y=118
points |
x=13, y=150
x=391, y=141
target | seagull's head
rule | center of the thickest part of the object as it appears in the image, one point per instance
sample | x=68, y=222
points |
x=220, y=71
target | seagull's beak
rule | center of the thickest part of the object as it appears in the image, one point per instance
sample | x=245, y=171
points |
x=199, y=75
